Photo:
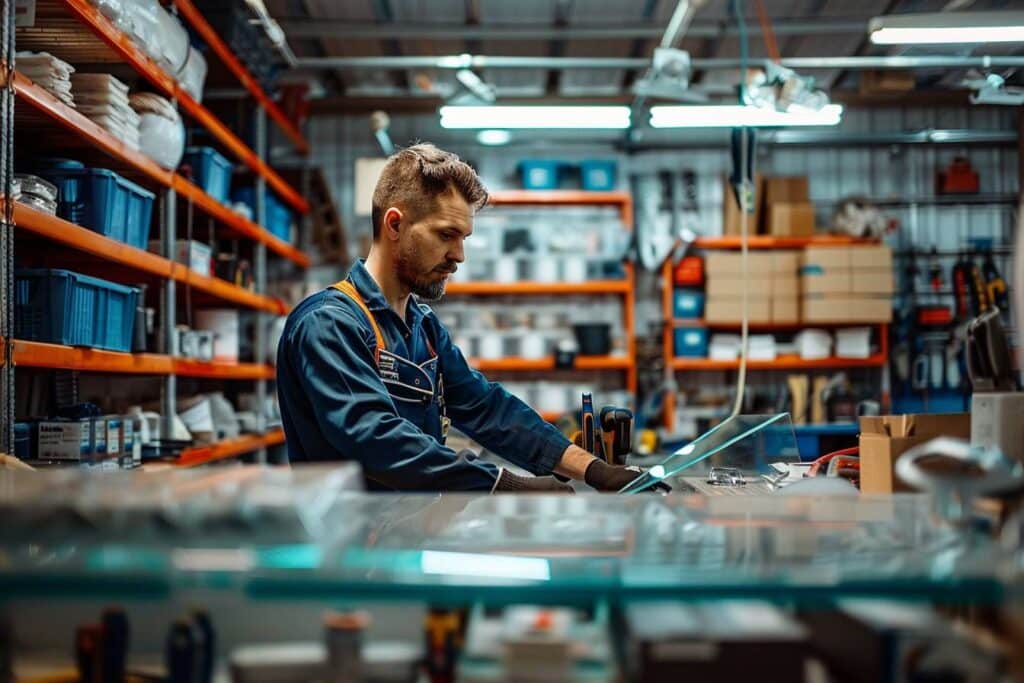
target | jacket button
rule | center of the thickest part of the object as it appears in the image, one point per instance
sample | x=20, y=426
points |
x=417, y=382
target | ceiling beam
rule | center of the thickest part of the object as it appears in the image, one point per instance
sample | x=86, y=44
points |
x=806, y=63
x=339, y=28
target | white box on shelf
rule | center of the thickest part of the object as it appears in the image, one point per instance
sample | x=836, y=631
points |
x=224, y=323
x=814, y=344
x=853, y=342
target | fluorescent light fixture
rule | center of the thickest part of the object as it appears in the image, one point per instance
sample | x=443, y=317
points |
x=732, y=116
x=485, y=566
x=947, y=27
x=535, y=117
x=493, y=137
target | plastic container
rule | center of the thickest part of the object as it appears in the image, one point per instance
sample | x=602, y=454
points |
x=687, y=304
x=102, y=201
x=593, y=339
x=63, y=307
x=541, y=174
x=279, y=216
x=691, y=342
x=193, y=74
x=211, y=171
x=598, y=175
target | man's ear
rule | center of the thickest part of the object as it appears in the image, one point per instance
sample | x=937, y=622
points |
x=392, y=222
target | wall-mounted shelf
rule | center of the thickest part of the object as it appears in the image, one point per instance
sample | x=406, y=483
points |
x=65, y=39
x=200, y=455
x=111, y=251
x=769, y=327
x=768, y=242
x=72, y=120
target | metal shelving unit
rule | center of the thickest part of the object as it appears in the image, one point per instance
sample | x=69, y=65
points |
x=76, y=31
x=624, y=287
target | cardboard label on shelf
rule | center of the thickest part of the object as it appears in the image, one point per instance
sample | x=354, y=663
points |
x=885, y=438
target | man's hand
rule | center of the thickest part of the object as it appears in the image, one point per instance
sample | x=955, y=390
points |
x=604, y=477
x=513, y=483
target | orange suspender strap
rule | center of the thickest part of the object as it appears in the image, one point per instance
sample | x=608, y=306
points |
x=349, y=290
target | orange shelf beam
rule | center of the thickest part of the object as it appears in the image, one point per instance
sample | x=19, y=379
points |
x=85, y=240
x=582, y=363
x=566, y=198
x=59, y=357
x=187, y=367
x=592, y=287
x=199, y=455
x=77, y=123
x=125, y=48
x=55, y=356
x=781, y=363
x=220, y=48
x=768, y=242
x=772, y=326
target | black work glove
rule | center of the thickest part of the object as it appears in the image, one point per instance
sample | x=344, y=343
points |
x=611, y=478
x=513, y=483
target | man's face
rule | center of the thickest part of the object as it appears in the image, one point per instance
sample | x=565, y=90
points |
x=431, y=247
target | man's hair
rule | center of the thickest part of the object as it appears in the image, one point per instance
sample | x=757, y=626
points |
x=413, y=179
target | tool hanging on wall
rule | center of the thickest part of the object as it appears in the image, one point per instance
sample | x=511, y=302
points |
x=995, y=285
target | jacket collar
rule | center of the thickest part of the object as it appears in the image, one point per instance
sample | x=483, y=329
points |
x=373, y=297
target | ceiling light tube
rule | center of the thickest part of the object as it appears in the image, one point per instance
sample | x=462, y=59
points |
x=732, y=116
x=509, y=117
x=947, y=27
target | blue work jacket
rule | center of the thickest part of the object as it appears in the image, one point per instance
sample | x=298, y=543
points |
x=339, y=401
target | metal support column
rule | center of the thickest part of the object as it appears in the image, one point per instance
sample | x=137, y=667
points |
x=260, y=272
x=169, y=313
x=7, y=230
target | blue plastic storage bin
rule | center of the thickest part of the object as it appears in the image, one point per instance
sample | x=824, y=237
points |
x=598, y=175
x=63, y=307
x=211, y=171
x=688, y=304
x=279, y=216
x=691, y=342
x=102, y=201
x=541, y=174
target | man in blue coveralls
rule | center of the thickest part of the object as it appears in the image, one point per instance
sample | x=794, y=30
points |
x=366, y=374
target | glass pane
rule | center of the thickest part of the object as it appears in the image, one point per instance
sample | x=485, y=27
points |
x=748, y=444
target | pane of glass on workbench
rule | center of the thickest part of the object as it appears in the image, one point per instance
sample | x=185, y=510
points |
x=748, y=444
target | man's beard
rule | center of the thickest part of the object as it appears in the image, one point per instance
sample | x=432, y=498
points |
x=410, y=276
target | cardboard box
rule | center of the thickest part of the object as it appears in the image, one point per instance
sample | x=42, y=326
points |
x=878, y=257
x=832, y=281
x=731, y=209
x=826, y=257
x=789, y=219
x=786, y=189
x=786, y=261
x=873, y=281
x=786, y=310
x=786, y=287
x=867, y=309
x=730, y=310
x=71, y=440
x=884, y=439
x=730, y=263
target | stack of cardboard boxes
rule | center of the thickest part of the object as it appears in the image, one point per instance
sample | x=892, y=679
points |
x=773, y=289
x=781, y=208
x=847, y=284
